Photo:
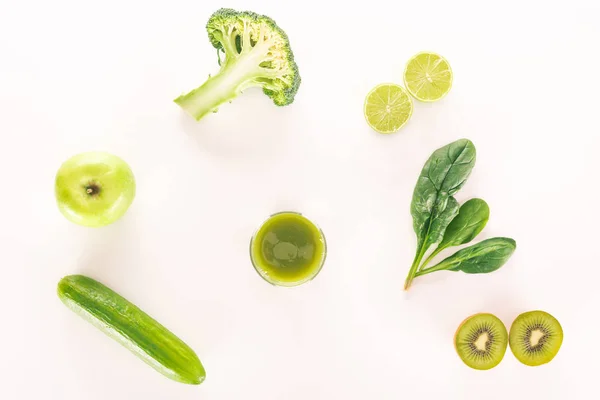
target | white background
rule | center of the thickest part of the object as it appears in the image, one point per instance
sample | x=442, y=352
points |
x=81, y=75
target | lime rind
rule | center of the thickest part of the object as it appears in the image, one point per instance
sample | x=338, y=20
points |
x=387, y=108
x=428, y=76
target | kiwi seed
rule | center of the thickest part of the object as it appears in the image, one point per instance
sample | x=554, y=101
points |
x=535, y=338
x=481, y=341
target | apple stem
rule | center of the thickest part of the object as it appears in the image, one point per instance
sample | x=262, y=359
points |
x=92, y=189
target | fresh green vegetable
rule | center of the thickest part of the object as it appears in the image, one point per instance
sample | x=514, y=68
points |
x=256, y=52
x=131, y=327
x=439, y=220
x=433, y=206
x=480, y=258
x=472, y=217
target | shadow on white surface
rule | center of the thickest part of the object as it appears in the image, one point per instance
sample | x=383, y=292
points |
x=108, y=250
x=245, y=130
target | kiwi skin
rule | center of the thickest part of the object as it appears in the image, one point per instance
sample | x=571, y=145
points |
x=502, y=338
x=552, y=343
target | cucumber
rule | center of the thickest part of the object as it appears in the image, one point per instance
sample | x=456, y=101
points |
x=131, y=327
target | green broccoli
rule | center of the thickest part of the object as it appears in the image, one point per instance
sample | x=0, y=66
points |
x=256, y=53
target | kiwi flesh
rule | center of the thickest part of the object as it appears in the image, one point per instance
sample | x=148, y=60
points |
x=481, y=341
x=535, y=338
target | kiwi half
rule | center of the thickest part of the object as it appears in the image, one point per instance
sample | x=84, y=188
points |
x=481, y=341
x=535, y=338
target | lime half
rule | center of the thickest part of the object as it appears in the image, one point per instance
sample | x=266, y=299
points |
x=388, y=107
x=428, y=76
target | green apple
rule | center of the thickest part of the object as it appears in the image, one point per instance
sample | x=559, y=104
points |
x=94, y=189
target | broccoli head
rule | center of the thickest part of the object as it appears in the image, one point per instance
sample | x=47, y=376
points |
x=252, y=52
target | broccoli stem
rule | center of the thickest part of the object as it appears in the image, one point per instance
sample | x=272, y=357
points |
x=217, y=90
x=237, y=73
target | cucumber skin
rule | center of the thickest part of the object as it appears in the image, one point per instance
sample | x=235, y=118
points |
x=133, y=328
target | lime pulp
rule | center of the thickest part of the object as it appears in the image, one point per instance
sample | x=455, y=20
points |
x=428, y=77
x=387, y=108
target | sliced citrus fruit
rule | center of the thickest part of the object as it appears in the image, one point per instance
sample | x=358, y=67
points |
x=388, y=107
x=428, y=76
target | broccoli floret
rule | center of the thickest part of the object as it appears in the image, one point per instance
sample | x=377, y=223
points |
x=252, y=52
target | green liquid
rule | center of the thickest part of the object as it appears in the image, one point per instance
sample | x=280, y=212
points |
x=288, y=249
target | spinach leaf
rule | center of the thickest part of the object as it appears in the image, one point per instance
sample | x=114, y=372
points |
x=441, y=222
x=470, y=221
x=444, y=174
x=472, y=218
x=432, y=206
x=481, y=258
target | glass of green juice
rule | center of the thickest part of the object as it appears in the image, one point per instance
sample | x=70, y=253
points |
x=288, y=249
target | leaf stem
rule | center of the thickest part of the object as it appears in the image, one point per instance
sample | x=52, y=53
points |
x=439, y=267
x=414, y=267
x=429, y=258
